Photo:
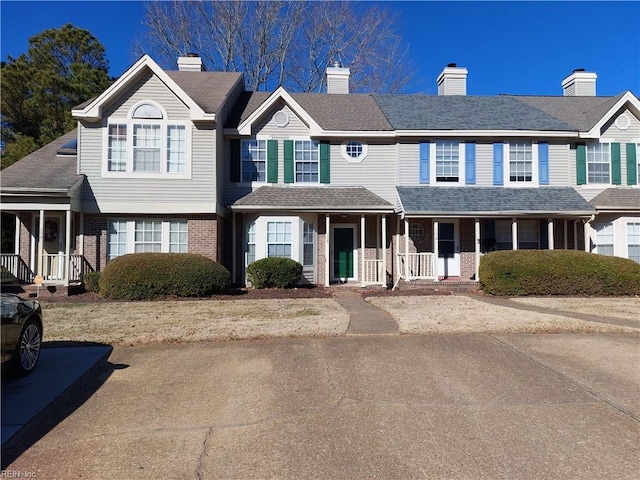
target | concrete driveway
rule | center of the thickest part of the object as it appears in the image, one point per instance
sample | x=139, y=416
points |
x=441, y=406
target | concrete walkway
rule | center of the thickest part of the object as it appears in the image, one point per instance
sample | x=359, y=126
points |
x=365, y=318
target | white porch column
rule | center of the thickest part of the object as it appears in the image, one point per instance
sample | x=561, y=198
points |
x=514, y=233
x=234, y=253
x=67, y=249
x=327, y=251
x=550, y=235
x=436, y=249
x=384, y=251
x=587, y=237
x=477, y=243
x=566, y=234
x=40, y=243
x=407, y=271
x=397, y=266
x=81, y=235
x=362, y=247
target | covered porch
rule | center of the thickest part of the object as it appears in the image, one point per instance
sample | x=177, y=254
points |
x=446, y=230
x=341, y=235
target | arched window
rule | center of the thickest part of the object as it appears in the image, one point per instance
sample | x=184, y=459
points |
x=146, y=110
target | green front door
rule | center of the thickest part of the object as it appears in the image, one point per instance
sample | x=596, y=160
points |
x=343, y=253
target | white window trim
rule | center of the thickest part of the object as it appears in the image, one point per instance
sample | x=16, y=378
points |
x=604, y=142
x=597, y=242
x=264, y=139
x=164, y=123
x=131, y=226
x=627, y=224
x=535, y=166
x=462, y=160
x=358, y=159
x=260, y=223
x=303, y=139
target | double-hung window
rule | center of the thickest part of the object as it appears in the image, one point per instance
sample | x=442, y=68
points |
x=307, y=160
x=146, y=235
x=598, y=163
x=251, y=244
x=633, y=241
x=528, y=235
x=308, y=244
x=447, y=161
x=503, y=235
x=604, y=238
x=520, y=162
x=254, y=160
x=147, y=142
x=279, y=239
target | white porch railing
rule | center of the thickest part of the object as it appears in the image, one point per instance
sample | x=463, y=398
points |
x=53, y=267
x=417, y=266
x=373, y=273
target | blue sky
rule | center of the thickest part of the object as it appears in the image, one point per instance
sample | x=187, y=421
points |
x=508, y=47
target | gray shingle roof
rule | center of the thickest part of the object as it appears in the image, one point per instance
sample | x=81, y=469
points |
x=43, y=170
x=358, y=112
x=312, y=199
x=617, y=198
x=494, y=201
x=459, y=112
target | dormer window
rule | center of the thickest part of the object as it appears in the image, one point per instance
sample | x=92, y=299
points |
x=147, y=143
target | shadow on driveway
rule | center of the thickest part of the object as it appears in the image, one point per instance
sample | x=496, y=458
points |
x=67, y=375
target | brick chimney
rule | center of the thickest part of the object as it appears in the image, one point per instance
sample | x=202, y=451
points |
x=452, y=80
x=579, y=84
x=337, y=78
x=190, y=63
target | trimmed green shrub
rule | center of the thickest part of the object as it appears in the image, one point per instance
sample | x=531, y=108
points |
x=92, y=282
x=274, y=272
x=142, y=276
x=557, y=272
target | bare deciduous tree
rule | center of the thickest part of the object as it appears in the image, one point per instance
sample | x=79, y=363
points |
x=283, y=42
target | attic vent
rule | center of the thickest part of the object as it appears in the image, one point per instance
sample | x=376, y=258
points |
x=281, y=119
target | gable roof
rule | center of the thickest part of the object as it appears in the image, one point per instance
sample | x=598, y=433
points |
x=202, y=92
x=492, y=201
x=619, y=198
x=461, y=112
x=44, y=171
x=312, y=199
x=330, y=112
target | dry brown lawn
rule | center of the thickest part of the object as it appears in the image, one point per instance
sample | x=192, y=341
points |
x=131, y=323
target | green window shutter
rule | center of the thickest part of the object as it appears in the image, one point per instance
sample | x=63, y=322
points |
x=581, y=165
x=272, y=161
x=288, y=161
x=632, y=164
x=234, y=152
x=616, y=177
x=325, y=170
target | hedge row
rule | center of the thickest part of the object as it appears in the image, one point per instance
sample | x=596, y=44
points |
x=557, y=272
x=142, y=276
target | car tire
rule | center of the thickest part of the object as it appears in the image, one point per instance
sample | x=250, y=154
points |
x=27, y=351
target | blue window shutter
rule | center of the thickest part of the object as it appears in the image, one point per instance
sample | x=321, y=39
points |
x=289, y=175
x=632, y=164
x=325, y=164
x=498, y=151
x=616, y=171
x=424, y=162
x=543, y=163
x=470, y=163
x=272, y=161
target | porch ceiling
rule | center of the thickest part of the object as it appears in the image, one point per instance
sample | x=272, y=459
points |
x=313, y=199
x=491, y=201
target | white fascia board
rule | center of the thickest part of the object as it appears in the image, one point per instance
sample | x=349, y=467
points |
x=487, y=133
x=634, y=103
x=357, y=134
x=152, y=208
x=313, y=209
x=93, y=111
x=519, y=213
x=280, y=93
x=36, y=206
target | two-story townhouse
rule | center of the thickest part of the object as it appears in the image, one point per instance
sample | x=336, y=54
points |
x=143, y=172
x=359, y=188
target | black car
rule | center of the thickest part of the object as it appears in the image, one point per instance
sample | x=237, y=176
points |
x=21, y=333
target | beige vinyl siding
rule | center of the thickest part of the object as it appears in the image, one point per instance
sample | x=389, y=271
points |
x=149, y=88
x=131, y=194
x=294, y=129
x=377, y=172
x=409, y=164
x=560, y=165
